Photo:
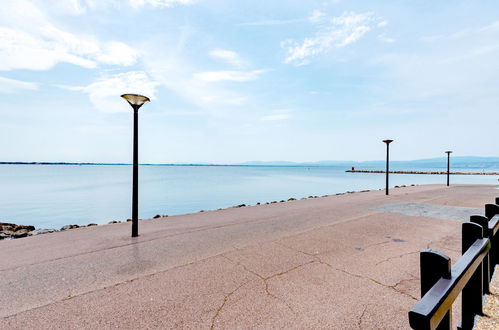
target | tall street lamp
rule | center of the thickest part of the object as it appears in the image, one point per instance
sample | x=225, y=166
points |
x=136, y=101
x=448, y=166
x=387, y=161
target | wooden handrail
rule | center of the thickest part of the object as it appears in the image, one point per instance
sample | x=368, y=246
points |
x=441, y=283
x=431, y=309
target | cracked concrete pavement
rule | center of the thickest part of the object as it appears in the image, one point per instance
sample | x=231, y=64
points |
x=431, y=210
x=338, y=262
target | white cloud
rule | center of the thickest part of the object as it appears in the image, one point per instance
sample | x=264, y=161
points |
x=332, y=33
x=117, y=53
x=276, y=117
x=71, y=7
x=382, y=23
x=81, y=7
x=432, y=38
x=105, y=92
x=239, y=76
x=282, y=114
x=489, y=29
x=274, y=22
x=28, y=40
x=174, y=71
x=160, y=3
x=12, y=86
x=229, y=57
x=447, y=69
x=472, y=53
x=386, y=39
x=317, y=16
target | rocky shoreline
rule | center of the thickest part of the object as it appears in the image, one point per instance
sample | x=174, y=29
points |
x=14, y=231
x=11, y=230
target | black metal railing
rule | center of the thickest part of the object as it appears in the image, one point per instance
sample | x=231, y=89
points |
x=441, y=284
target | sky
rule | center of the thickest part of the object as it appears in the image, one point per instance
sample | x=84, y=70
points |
x=235, y=81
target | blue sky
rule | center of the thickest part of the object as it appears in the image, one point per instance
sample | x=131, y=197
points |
x=234, y=81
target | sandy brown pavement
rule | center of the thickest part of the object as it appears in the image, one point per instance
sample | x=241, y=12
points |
x=325, y=263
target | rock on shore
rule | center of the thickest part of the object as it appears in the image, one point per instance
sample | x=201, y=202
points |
x=41, y=231
x=11, y=230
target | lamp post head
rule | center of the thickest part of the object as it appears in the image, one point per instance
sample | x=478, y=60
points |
x=388, y=141
x=135, y=100
x=448, y=152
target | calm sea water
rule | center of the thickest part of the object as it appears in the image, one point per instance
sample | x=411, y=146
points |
x=50, y=196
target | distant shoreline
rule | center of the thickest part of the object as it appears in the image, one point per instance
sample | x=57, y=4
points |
x=129, y=164
x=345, y=164
x=419, y=172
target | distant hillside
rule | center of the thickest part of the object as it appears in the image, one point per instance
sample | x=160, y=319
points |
x=441, y=162
x=456, y=162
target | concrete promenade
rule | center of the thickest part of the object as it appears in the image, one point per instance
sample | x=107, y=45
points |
x=337, y=262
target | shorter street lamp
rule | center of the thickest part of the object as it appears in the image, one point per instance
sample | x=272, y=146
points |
x=387, y=161
x=448, y=166
x=136, y=101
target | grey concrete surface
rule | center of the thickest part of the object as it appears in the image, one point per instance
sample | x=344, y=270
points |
x=431, y=210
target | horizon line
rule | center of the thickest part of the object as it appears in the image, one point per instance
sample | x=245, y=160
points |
x=244, y=163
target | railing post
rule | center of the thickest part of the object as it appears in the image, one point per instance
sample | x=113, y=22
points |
x=472, y=294
x=434, y=265
x=494, y=253
x=487, y=266
x=491, y=210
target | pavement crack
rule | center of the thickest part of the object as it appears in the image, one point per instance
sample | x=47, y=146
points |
x=219, y=310
x=313, y=255
x=396, y=257
x=392, y=287
x=359, y=324
x=290, y=270
x=413, y=277
x=277, y=298
x=265, y=279
x=243, y=266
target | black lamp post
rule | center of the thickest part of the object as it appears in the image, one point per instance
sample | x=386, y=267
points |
x=136, y=101
x=448, y=166
x=387, y=161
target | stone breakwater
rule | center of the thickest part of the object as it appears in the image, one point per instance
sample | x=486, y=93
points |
x=11, y=230
x=420, y=172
